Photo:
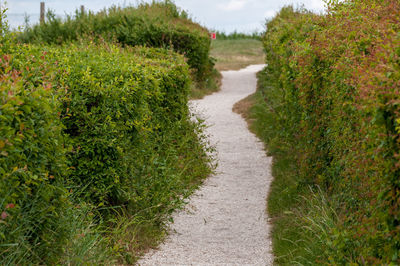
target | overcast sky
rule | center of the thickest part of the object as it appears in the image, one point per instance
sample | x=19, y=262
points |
x=224, y=15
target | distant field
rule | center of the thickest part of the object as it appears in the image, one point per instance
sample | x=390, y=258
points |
x=237, y=54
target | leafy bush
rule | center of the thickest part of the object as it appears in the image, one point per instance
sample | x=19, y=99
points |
x=332, y=101
x=159, y=24
x=91, y=125
x=118, y=105
x=38, y=222
x=97, y=148
x=33, y=164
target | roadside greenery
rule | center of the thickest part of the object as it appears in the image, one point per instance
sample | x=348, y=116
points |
x=328, y=111
x=97, y=148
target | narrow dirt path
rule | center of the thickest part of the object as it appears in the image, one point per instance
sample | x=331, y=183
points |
x=225, y=222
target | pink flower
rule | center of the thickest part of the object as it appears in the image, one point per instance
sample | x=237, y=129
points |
x=4, y=215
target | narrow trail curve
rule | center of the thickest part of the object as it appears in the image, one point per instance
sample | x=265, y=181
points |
x=225, y=222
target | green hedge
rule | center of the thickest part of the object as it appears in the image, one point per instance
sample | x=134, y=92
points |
x=91, y=125
x=117, y=104
x=334, y=94
x=33, y=165
x=159, y=24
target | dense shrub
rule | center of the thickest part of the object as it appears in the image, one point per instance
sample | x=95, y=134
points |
x=159, y=24
x=92, y=136
x=335, y=105
x=32, y=161
x=119, y=105
x=38, y=222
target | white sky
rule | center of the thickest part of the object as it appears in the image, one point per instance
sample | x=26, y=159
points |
x=224, y=15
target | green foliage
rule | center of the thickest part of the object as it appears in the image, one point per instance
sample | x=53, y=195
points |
x=117, y=103
x=32, y=161
x=331, y=93
x=38, y=221
x=126, y=114
x=96, y=144
x=159, y=24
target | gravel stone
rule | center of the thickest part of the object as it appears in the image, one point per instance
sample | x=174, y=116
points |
x=225, y=222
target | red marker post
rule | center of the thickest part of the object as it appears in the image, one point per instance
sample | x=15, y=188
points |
x=213, y=35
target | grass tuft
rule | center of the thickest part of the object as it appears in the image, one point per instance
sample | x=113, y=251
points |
x=212, y=84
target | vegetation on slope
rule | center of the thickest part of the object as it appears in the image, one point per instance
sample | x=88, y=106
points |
x=328, y=111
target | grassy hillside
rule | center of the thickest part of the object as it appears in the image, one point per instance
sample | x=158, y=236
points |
x=237, y=53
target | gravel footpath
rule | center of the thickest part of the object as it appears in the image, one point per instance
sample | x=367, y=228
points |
x=225, y=222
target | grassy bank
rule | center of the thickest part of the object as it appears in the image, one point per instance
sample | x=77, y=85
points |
x=302, y=217
x=209, y=86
